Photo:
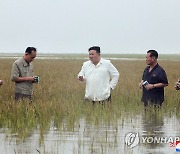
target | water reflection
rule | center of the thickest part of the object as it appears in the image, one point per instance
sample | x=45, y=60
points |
x=153, y=122
x=157, y=133
x=89, y=138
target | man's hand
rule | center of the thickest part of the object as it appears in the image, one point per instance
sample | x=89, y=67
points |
x=1, y=82
x=141, y=84
x=149, y=86
x=177, y=86
x=80, y=78
x=31, y=79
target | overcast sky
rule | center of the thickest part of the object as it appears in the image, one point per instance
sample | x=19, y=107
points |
x=72, y=26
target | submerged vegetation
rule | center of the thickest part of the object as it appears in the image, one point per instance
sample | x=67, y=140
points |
x=58, y=99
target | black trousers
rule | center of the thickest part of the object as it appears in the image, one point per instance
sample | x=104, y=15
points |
x=21, y=97
x=108, y=100
x=152, y=103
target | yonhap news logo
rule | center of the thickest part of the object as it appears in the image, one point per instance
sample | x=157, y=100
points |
x=132, y=139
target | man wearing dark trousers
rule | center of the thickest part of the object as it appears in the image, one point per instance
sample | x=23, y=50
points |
x=153, y=81
x=22, y=75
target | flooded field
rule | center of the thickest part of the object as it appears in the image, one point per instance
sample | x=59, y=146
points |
x=104, y=138
x=60, y=121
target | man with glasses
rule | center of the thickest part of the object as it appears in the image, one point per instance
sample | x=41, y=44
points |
x=22, y=75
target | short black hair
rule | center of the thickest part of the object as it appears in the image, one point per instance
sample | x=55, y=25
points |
x=153, y=53
x=30, y=49
x=96, y=48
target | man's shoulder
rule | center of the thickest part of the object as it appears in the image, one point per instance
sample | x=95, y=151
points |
x=160, y=68
x=87, y=62
x=18, y=61
x=105, y=61
x=147, y=68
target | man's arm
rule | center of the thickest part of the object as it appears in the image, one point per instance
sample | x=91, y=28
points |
x=81, y=74
x=24, y=79
x=114, y=75
x=163, y=81
x=157, y=85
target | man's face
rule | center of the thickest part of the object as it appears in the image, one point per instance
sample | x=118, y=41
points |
x=30, y=57
x=149, y=60
x=94, y=56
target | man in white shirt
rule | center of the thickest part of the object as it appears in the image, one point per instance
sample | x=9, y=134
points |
x=100, y=76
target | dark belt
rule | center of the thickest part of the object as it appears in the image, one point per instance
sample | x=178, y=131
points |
x=103, y=101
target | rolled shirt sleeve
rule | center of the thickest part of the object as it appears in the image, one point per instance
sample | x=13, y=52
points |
x=163, y=77
x=15, y=72
x=81, y=73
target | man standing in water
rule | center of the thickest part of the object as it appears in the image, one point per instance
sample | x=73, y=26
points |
x=22, y=75
x=154, y=80
x=100, y=76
